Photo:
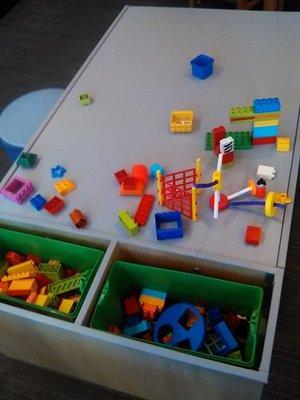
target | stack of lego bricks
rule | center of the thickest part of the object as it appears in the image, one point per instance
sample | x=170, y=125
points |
x=266, y=120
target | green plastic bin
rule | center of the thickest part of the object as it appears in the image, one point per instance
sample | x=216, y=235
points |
x=80, y=258
x=126, y=278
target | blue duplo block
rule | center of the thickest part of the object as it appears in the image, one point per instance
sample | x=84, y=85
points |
x=168, y=218
x=202, y=66
x=265, y=131
x=38, y=202
x=153, y=293
x=266, y=105
x=143, y=326
x=228, y=340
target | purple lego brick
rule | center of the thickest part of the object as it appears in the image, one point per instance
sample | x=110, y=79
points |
x=17, y=189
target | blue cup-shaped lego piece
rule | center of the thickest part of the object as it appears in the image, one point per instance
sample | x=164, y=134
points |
x=202, y=66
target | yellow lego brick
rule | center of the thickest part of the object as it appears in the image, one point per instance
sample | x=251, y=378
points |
x=24, y=284
x=21, y=275
x=128, y=222
x=268, y=122
x=27, y=266
x=64, y=186
x=43, y=300
x=66, y=306
x=283, y=144
x=152, y=300
x=182, y=121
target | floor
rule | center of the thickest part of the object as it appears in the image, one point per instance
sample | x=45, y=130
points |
x=69, y=30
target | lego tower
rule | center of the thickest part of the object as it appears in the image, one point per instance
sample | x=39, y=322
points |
x=266, y=120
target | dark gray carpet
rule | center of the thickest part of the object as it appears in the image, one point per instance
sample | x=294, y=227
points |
x=43, y=44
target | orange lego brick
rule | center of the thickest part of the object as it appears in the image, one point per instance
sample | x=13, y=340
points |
x=32, y=297
x=137, y=191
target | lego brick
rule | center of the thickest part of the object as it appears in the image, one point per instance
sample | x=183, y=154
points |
x=283, y=144
x=266, y=122
x=131, y=305
x=26, y=160
x=265, y=131
x=265, y=140
x=22, y=287
x=155, y=301
x=54, y=205
x=253, y=234
x=218, y=134
x=52, y=271
x=266, y=116
x=140, y=172
x=14, y=258
x=143, y=326
x=266, y=172
x=242, y=140
x=241, y=113
x=32, y=298
x=66, y=306
x=137, y=191
x=226, y=145
x=228, y=340
x=144, y=208
x=227, y=158
x=85, y=99
x=166, y=218
x=202, y=66
x=38, y=202
x=128, y=222
x=17, y=189
x=129, y=183
x=20, y=275
x=153, y=293
x=64, y=186
x=43, y=300
x=26, y=266
x=121, y=175
x=66, y=285
x=58, y=171
x=78, y=218
x=266, y=105
x=181, y=121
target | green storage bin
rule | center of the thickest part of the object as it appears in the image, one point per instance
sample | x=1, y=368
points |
x=80, y=258
x=126, y=278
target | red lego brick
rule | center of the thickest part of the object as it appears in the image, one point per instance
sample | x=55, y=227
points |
x=143, y=210
x=264, y=140
x=132, y=305
x=228, y=157
x=218, y=133
x=253, y=235
x=33, y=257
x=54, y=205
x=130, y=183
x=14, y=258
x=121, y=176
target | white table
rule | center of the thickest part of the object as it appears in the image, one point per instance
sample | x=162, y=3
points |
x=138, y=74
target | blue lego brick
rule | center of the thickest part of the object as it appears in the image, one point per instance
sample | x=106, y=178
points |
x=265, y=131
x=165, y=218
x=143, y=326
x=228, y=340
x=38, y=202
x=58, y=171
x=214, y=316
x=202, y=66
x=154, y=293
x=266, y=105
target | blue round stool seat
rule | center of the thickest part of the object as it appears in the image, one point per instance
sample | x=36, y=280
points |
x=22, y=117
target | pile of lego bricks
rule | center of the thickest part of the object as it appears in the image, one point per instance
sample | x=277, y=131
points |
x=44, y=284
x=208, y=330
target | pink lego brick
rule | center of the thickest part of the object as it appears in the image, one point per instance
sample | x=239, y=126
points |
x=17, y=189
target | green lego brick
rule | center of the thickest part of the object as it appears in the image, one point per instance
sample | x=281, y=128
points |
x=242, y=140
x=69, y=284
x=26, y=160
x=85, y=99
x=241, y=112
x=52, y=270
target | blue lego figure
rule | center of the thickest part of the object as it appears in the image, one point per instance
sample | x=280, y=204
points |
x=38, y=202
x=168, y=233
x=58, y=171
x=202, y=66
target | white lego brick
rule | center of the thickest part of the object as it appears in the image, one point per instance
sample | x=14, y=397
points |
x=226, y=145
x=266, y=172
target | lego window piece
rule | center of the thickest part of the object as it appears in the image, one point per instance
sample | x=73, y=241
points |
x=202, y=66
x=162, y=224
x=17, y=189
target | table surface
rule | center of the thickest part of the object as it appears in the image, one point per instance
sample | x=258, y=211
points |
x=136, y=76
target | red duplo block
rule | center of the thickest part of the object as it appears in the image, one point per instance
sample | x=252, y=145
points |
x=14, y=258
x=253, y=235
x=121, y=176
x=143, y=210
x=228, y=157
x=264, y=140
x=130, y=183
x=218, y=133
x=54, y=205
x=132, y=305
x=33, y=257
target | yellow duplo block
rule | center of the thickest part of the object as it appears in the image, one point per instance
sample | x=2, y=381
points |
x=283, y=144
x=64, y=186
x=269, y=122
x=24, y=284
x=27, y=266
x=43, y=300
x=182, y=121
x=66, y=306
x=155, y=301
x=21, y=275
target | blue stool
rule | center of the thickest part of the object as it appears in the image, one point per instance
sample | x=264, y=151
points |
x=22, y=117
